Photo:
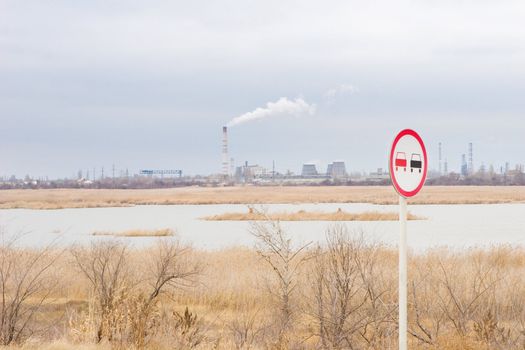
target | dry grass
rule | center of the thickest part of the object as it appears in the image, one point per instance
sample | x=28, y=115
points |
x=234, y=289
x=137, y=233
x=87, y=198
x=302, y=215
x=63, y=345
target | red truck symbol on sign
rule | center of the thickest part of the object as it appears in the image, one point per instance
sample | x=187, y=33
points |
x=401, y=160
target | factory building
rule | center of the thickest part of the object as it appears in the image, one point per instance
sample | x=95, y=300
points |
x=309, y=170
x=379, y=175
x=337, y=169
x=248, y=172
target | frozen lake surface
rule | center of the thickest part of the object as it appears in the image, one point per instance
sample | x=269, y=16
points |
x=457, y=226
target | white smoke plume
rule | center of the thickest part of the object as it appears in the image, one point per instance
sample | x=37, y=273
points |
x=282, y=107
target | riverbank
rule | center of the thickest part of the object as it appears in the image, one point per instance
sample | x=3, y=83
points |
x=88, y=198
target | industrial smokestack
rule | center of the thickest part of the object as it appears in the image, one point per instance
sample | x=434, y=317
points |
x=225, y=157
x=470, y=159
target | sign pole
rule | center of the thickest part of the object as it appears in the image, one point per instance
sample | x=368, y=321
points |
x=403, y=273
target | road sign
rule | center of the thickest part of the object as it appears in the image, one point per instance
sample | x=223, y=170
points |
x=408, y=163
x=408, y=166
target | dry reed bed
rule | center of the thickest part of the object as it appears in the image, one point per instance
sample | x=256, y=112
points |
x=87, y=198
x=302, y=215
x=471, y=299
x=166, y=232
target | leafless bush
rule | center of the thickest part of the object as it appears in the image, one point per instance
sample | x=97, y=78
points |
x=495, y=323
x=428, y=318
x=466, y=297
x=513, y=307
x=462, y=300
x=375, y=270
x=26, y=283
x=106, y=267
x=247, y=330
x=188, y=329
x=276, y=249
x=126, y=303
x=349, y=296
x=183, y=330
x=142, y=319
x=167, y=268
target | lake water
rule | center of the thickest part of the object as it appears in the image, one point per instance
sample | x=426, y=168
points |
x=457, y=226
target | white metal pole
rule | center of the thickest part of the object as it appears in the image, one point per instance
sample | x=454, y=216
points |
x=403, y=273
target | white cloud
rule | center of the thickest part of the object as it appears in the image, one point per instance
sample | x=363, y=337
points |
x=281, y=108
x=343, y=89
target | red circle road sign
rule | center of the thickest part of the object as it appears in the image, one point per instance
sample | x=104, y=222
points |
x=408, y=163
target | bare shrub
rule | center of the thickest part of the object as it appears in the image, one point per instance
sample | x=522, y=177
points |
x=427, y=319
x=376, y=271
x=183, y=330
x=349, y=296
x=460, y=295
x=167, y=268
x=125, y=304
x=513, y=308
x=495, y=324
x=246, y=330
x=26, y=283
x=462, y=299
x=189, y=329
x=275, y=247
x=105, y=266
x=142, y=319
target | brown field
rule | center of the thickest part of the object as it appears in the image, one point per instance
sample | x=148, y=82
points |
x=302, y=215
x=86, y=198
x=264, y=298
x=137, y=233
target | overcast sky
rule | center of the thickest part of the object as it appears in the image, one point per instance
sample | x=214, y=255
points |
x=149, y=84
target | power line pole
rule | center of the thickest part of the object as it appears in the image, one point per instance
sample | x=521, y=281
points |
x=440, y=168
x=113, y=174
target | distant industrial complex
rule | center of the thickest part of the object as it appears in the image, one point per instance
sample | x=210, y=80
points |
x=335, y=173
